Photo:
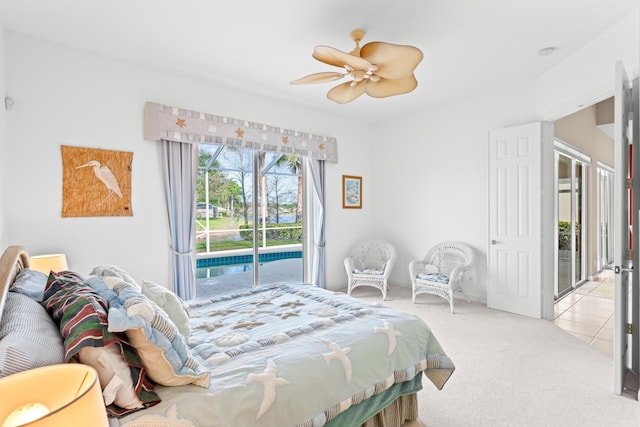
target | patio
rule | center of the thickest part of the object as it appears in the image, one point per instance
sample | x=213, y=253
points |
x=284, y=270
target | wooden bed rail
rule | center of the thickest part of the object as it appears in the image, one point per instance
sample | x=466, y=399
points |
x=13, y=260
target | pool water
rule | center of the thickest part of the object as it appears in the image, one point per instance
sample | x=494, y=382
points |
x=221, y=266
x=221, y=270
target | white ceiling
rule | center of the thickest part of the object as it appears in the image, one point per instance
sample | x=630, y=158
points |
x=469, y=46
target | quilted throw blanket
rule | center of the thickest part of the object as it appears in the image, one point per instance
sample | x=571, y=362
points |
x=294, y=355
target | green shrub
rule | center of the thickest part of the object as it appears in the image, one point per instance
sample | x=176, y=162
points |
x=564, y=235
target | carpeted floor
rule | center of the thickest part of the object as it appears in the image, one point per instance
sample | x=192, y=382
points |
x=512, y=370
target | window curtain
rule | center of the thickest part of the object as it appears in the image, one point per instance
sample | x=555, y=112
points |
x=162, y=122
x=179, y=165
x=317, y=258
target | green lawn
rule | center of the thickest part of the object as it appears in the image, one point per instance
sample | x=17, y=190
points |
x=226, y=223
x=222, y=223
x=241, y=244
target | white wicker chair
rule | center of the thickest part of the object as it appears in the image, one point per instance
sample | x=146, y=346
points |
x=440, y=272
x=370, y=264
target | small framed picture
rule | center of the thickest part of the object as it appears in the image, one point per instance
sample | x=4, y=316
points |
x=351, y=192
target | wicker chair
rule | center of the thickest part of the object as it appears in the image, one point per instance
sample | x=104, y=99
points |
x=440, y=272
x=370, y=264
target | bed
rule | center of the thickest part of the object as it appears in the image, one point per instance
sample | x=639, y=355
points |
x=284, y=354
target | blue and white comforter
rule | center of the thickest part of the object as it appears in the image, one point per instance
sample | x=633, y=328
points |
x=294, y=355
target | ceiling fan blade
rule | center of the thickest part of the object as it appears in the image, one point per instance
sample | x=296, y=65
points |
x=344, y=92
x=394, y=61
x=384, y=87
x=338, y=58
x=318, y=78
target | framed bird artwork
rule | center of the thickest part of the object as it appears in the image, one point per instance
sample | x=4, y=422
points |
x=95, y=182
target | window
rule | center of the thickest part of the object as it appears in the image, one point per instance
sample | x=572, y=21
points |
x=605, y=216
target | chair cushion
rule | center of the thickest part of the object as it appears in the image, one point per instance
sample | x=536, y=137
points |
x=431, y=277
x=368, y=271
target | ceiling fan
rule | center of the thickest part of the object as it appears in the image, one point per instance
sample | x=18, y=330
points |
x=378, y=69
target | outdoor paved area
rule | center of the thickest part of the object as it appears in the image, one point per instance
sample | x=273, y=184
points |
x=284, y=270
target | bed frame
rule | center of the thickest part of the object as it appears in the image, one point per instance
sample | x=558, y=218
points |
x=405, y=407
x=13, y=260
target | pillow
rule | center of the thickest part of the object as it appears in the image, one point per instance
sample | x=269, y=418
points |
x=160, y=345
x=83, y=320
x=113, y=373
x=29, y=338
x=434, y=277
x=171, y=303
x=30, y=283
x=368, y=271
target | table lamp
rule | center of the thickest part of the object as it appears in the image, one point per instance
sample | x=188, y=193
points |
x=53, y=396
x=48, y=263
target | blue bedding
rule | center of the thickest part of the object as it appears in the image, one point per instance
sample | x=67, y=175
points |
x=294, y=355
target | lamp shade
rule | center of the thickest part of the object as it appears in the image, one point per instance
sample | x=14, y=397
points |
x=48, y=263
x=57, y=395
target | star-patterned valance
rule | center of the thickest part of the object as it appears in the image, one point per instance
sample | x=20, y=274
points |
x=178, y=124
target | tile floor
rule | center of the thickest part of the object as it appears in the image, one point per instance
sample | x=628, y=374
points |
x=587, y=313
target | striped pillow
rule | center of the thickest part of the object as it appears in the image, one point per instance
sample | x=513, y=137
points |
x=29, y=338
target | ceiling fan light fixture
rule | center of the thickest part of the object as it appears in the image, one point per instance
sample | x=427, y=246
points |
x=389, y=66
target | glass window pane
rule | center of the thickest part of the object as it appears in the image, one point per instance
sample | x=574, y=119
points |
x=564, y=224
x=578, y=222
x=225, y=196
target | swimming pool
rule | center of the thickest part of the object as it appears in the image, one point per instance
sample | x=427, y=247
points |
x=221, y=266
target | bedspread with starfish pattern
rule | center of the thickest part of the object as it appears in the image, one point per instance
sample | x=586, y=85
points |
x=295, y=355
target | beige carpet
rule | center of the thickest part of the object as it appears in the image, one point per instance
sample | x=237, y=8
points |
x=512, y=370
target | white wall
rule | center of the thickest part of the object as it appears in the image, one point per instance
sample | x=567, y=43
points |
x=65, y=96
x=587, y=76
x=3, y=146
x=432, y=185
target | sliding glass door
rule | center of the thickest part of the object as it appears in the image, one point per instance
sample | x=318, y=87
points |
x=248, y=218
x=605, y=216
x=571, y=172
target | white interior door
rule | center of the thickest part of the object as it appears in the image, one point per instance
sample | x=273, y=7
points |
x=621, y=253
x=515, y=261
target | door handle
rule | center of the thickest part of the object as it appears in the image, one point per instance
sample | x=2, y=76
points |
x=617, y=269
x=494, y=242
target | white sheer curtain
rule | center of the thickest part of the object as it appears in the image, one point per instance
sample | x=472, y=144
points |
x=317, y=257
x=179, y=165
